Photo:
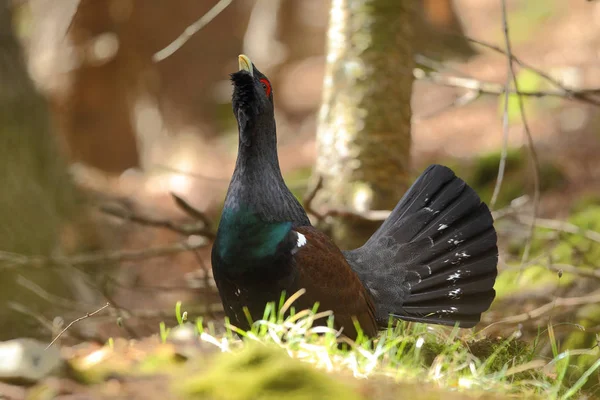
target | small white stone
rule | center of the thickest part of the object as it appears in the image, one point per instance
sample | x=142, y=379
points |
x=27, y=359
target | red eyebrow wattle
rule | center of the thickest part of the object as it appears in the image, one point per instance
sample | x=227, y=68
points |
x=268, y=86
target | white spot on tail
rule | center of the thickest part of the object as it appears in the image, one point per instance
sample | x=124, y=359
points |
x=455, y=241
x=462, y=254
x=451, y=310
x=301, y=240
x=455, y=293
x=442, y=227
x=455, y=276
x=428, y=209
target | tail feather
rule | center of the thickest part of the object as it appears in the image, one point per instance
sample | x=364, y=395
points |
x=462, y=306
x=470, y=269
x=435, y=257
x=473, y=286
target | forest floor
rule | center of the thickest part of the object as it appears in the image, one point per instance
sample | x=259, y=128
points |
x=277, y=360
x=553, y=348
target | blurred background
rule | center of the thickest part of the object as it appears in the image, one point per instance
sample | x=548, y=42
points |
x=106, y=134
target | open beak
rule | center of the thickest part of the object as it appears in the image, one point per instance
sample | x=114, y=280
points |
x=245, y=64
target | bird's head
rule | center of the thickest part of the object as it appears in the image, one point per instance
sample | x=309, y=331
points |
x=252, y=100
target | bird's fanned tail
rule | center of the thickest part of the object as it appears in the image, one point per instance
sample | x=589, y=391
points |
x=435, y=257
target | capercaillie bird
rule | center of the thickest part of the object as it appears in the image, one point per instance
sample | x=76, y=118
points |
x=433, y=260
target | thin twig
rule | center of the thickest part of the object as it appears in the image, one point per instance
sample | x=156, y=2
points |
x=561, y=226
x=310, y=197
x=193, y=212
x=30, y=313
x=195, y=175
x=191, y=30
x=580, y=95
x=50, y=297
x=369, y=215
x=11, y=260
x=75, y=321
x=559, y=302
x=184, y=229
x=571, y=269
x=491, y=88
x=505, y=122
x=530, y=144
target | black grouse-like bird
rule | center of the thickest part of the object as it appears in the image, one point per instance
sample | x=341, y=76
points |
x=433, y=259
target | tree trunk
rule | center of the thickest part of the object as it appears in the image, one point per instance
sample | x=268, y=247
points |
x=37, y=196
x=363, y=136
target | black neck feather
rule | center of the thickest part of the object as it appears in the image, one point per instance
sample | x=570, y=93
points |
x=257, y=184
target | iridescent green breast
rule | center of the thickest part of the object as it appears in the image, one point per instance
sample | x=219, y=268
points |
x=243, y=238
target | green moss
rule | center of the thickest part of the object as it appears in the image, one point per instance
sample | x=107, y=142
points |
x=534, y=278
x=262, y=372
x=482, y=172
x=585, y=201
x=501, y=353
x=589, y=218
x=551, y=176
x=587, y=316
x=563, y=247
x=485, y=168
x=576, y=249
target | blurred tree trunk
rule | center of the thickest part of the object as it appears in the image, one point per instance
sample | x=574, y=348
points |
x=439, y=33
x=363, y=136
x=37, y=195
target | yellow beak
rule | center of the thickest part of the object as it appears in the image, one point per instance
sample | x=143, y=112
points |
x=245, y=64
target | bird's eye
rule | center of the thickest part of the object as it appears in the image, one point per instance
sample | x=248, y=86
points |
x=266, y=86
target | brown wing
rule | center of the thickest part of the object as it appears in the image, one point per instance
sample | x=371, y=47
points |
x=328, y=279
